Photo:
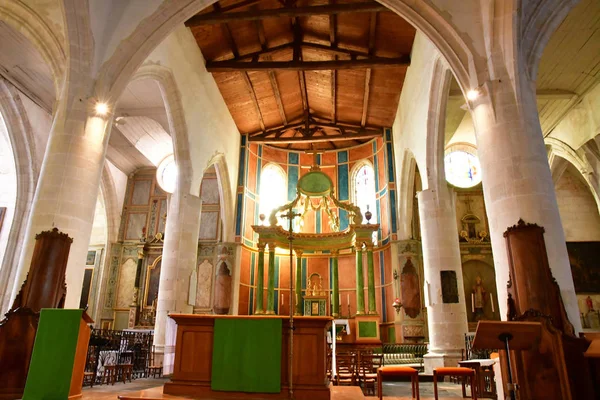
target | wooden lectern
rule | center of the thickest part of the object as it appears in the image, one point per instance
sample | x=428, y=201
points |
x=44, y=287
x=510, y=336
x=555, y=369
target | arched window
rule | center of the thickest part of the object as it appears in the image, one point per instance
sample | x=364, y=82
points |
x=272, y=191
x=364, y=192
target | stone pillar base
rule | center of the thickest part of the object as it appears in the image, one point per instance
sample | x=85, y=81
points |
x=441, y=359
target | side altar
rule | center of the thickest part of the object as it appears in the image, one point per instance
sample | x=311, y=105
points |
x=224, y=356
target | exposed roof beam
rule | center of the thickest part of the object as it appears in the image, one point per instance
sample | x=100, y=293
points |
x=293, y=45
x=372, y=62
x=342, y=127
x=318, y=139
x=219, y=17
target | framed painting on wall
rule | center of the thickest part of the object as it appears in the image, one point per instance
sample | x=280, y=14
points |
x=585, y=266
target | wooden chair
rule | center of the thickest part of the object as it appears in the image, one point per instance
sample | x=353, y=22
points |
x=368, y=364
x=109, y=375
x=90, y=378
x=346, y=369
x=397, y=371
x=461, y=372
x=154, y=370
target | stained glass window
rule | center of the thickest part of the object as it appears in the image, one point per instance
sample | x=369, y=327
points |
x=462, y=169
x=272, y=191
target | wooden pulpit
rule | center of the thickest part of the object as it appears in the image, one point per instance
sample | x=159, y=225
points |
x=555, y=368
x=44, y=287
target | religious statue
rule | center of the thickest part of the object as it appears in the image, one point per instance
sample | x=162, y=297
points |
x=478, y=298
x=222, y=290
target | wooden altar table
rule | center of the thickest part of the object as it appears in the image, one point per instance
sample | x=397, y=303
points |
x=192, y=369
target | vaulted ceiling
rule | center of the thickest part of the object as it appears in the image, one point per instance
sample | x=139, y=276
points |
x=308, y=73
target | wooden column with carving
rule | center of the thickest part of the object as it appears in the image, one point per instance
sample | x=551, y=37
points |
x=44, y=287
x=556, y=368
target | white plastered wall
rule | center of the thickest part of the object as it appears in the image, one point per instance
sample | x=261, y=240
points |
x=211, y=129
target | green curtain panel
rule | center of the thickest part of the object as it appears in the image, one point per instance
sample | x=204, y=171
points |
x=247, y=355
x=51, y=367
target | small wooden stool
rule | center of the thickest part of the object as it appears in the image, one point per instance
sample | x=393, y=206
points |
x=390, y=371
x=110, y=374
x=126, y=371
x=460, y=372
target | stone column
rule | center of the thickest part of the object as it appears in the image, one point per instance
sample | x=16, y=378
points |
x=260, y=279
x=271, y=282
x=335, y=297
x=372, y=305
x=447, y=321
x=180, y=254
x=517, y=180
x=360, y=285
x=298, y=287
x=67, y=190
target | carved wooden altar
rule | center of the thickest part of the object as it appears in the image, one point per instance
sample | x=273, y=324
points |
x=556, y=368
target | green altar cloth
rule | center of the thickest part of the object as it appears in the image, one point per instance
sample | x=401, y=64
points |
x=247, y=355
x=51, y=366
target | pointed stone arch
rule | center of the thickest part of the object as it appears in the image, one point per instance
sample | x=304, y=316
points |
x=405, y=194
x=561, y=149
x=27, y=22
x=23, y=145
x=436, y=122
x=163, y=76
x=226, y=195
x=114, y=74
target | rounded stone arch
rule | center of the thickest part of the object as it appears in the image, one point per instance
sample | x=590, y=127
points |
x=23, y=145
x=163, y=76
x=436, y=122
x=115, y=73
x=27, y=22
x=227, y=202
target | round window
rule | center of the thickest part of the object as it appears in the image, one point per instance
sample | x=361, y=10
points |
x=166, y=174
x=462, y=169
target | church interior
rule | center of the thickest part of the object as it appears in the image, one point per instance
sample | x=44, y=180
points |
x=305, y=199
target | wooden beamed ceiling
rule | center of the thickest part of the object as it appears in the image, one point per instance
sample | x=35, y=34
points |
x=321, y=74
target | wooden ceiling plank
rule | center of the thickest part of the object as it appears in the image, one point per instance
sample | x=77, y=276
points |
x=334, y=44
x=372, y=30
x=274, y=86
x=219, y=17
x=317, y=139
x=373, y=62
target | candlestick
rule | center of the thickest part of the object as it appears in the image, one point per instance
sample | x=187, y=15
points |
x=296, y=298
x=492, y=301
x=348, y=299
x=281, y=298
x=472, y=303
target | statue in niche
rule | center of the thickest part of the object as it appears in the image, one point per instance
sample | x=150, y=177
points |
x=222, y=290
x=478, y=299
x=589, y=303
x=411, y=295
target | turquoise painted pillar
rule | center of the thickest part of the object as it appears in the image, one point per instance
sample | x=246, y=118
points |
x=271, y=282
x=260, y=279
x=360, y=283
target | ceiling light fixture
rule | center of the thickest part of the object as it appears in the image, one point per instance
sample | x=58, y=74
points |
x=473, y=94
x=101, y=108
